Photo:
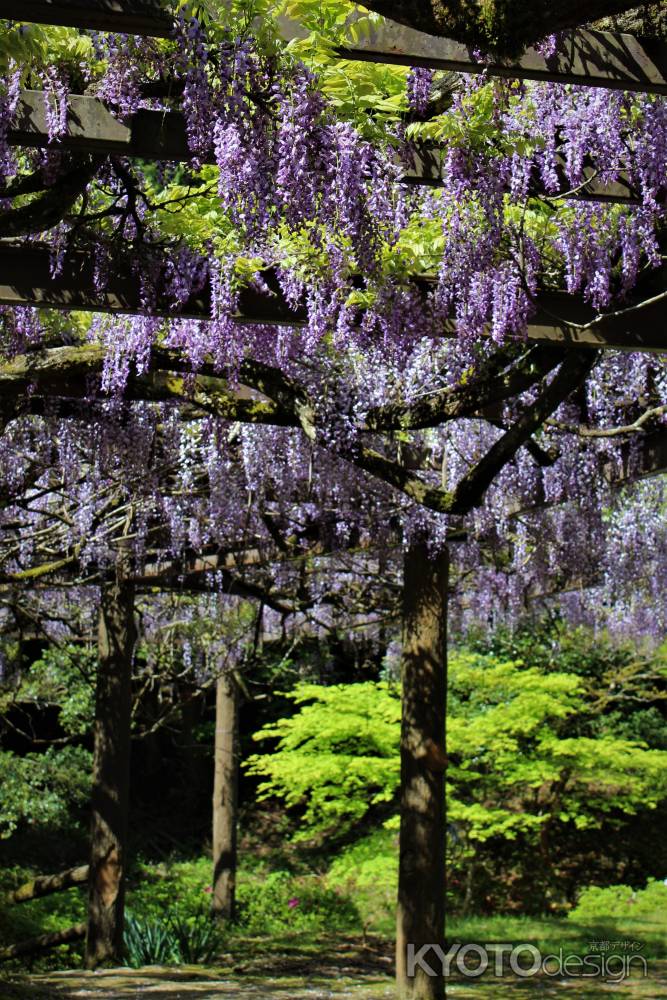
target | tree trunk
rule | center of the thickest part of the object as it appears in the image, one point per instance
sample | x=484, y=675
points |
x=421, y=878
x=111, y=766
x=225, y=796
x=468, y=898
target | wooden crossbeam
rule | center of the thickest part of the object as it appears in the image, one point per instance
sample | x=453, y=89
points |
x=91, y=128
x=589, y=58
x=25, y=279
x=426, y=169
x=650, y=459
x=161, y=135
x=129, y=17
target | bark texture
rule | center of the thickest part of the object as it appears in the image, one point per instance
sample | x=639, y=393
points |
x=505, y=27
x=421, y=879
x=111, y=766
x=44, y=885
x=225, y=796
x=43, y=942
x=649, y=21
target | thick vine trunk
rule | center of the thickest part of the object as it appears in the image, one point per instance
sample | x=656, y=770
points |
x=225, y=796
x=502, y=26
x=111, y=766
x=44, y=885
x=421, y=878
x=43, y=942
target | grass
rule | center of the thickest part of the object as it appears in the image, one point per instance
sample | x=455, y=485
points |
x=270, y=981
x=322, y=948
x=340, y=967
x=551, y=933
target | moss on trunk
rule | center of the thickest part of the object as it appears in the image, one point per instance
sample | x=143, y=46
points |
x=504, y=27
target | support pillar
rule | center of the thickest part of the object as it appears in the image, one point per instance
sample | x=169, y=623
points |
x=225, y=796
x=421, y=880
x=111, y=774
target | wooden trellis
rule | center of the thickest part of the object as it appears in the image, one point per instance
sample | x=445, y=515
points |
x=162, y=135
x=560, y=318
x=611, y=60
x=132, y=17
x=26, y=279
x=582, y=57
x=593, y=58
x=588, y=58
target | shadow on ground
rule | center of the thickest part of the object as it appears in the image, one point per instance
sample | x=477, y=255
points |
x=327, y=970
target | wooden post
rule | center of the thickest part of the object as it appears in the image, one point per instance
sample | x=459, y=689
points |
x=560, y=318
x=111, y=766
x=421, y=879
x=225, y=796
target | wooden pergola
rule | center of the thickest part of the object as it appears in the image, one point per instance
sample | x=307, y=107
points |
x=588, y=58
x=585, y=58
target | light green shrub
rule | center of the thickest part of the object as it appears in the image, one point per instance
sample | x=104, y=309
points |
x=616, y=902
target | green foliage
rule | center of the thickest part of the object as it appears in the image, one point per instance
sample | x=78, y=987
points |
x=622, y=685
x=170, y=941
x=367, y=872
x=620, y=902
x=169, y=920
x=269, y=902
x=148, y=942
x=553, y=644
x=515, y=764
x=649, y=725
x=180, y=888
x=32, y=46
x=336, y=757
x=282, y=903
x=41, y=789
x=370, y=95
x=64, y=676
x=196, y=938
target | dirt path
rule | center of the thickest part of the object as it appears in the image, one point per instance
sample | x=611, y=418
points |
x=195, y=984
x=334, y=983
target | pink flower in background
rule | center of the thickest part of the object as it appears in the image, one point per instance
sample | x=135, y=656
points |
x=292, y=903
x=208, y=889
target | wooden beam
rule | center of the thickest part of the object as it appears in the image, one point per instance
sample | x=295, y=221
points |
x=25, y=279
x=162, y=135
x=426, y=164
x=643, y=462
x=588, y=58
x=129, y=17
x=92, y=128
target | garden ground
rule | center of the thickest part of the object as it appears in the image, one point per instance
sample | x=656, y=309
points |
x=198, y=984
x=330, y=968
